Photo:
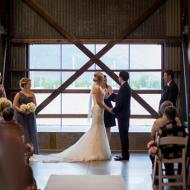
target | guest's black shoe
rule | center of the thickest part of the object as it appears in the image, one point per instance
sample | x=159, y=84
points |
x=121, y=158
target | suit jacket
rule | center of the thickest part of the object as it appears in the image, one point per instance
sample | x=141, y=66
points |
x=170, y=93
x=123, y=102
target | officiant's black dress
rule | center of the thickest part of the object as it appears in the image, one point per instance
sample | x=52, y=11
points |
x=109, y=118
x=28, y=121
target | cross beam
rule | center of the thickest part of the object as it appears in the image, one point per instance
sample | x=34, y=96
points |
x=94, y=58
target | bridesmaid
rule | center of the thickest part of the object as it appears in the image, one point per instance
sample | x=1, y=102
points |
x=26, y=118
x=2, y=90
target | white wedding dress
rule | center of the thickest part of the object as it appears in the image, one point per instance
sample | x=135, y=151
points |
x=93, y=145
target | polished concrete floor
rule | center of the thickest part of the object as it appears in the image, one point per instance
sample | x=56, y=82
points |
x=136, y=172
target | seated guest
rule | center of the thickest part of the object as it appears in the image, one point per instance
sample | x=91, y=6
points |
x=9, y=121
x=162, y=120
x=170, y=128
x=12, y=166
x=15, y=173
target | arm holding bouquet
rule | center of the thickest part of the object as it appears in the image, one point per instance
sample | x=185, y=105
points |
x=24, y=108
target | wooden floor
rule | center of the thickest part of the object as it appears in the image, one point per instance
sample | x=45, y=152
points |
x=136, y=172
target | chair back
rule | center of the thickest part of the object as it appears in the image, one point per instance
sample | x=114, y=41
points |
x=172, y=146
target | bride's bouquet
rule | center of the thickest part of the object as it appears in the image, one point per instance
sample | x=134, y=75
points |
x=4, y=103
x=31, y=107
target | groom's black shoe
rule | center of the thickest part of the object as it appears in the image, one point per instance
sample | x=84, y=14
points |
x=121, y=158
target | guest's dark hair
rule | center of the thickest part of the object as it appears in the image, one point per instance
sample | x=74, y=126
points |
x=8, y=114
x=124, y=75
x=171, y=113
x=170, y=73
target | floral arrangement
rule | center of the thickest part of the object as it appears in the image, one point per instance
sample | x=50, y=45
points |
x=4, y=103
x=31, y=107
x=152, y=148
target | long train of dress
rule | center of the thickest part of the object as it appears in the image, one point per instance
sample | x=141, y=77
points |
x=93, y=145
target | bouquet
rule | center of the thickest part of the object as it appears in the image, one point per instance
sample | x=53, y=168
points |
x=152, y=147
x=4, y=103
x=31, y=107
x=152, y=150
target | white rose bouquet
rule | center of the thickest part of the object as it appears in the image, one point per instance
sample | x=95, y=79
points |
x=4, y=103
x=23, y=107
x=31, y=107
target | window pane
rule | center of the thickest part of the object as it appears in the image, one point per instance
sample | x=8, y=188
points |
x=141, y=125
x=52, y=108
x=46, y=124
x=73, y=58
x=145, y=80
x=145, y=56
x=117, y=57
x=45, y=57
x=45, y=80
x=152, y=99
x=137, y=109
x=99, y=47
x=85, y=81
x=75, y=103
x=66, y=76
x=77, y=122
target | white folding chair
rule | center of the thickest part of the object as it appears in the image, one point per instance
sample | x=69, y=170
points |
x=160, y=161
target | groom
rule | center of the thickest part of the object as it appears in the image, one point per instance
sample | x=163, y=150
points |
x=122, y=112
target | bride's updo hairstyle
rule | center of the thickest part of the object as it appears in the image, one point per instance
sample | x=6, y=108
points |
x=98, y=77
x=23, y=82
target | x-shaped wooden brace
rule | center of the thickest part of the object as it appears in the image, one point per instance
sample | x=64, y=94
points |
x=93, y=58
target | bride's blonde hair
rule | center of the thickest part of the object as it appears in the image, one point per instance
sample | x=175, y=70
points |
x=98, y=77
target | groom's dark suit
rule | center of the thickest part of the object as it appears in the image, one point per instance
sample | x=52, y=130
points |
x=122, y=111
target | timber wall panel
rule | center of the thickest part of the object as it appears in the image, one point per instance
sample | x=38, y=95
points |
x=95, y=19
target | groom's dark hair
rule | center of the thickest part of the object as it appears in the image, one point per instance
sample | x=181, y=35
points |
x=124, y=75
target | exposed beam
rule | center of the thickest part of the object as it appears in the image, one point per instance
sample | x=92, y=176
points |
x=131, y=27
x=159, y=40
x=90, y=70
x=85, y=116
x=86, y=91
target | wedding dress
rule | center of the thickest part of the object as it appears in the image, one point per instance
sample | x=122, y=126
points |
x=93, y=145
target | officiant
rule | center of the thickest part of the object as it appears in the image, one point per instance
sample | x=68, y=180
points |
x=109, y=118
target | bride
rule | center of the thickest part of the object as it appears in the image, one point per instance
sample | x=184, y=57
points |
x=93, y=145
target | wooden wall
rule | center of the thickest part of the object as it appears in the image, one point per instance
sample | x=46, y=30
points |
x=95, y=19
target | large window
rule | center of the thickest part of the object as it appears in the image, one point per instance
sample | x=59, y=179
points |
x=52, y=65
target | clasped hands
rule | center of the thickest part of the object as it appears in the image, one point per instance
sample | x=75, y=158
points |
x=110, y=110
